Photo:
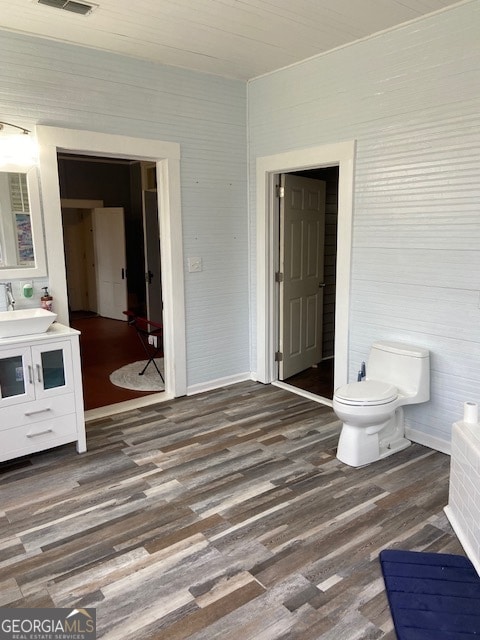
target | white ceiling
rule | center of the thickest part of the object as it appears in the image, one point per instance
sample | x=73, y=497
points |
x=235, y=38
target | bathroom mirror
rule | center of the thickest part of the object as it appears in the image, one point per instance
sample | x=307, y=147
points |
x=22, y=251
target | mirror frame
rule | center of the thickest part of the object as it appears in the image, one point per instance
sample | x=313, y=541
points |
x=40, y=268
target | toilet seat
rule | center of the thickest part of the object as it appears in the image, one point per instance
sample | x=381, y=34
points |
x=368, y=392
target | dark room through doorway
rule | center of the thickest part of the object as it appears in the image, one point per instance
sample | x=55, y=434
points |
x=116, y=199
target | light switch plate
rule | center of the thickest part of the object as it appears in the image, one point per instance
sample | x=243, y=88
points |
x=194, y=265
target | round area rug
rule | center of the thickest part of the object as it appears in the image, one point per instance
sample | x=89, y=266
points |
x=128, y=376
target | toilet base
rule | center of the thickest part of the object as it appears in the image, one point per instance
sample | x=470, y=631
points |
x=359, y=446
x=394, y=447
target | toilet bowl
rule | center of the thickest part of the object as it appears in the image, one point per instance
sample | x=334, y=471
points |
x=371, y=410
x=365, y=418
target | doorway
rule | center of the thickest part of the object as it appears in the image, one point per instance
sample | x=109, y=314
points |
x=105, y=231
x=268, y=167
x=110, y=223
x=313, y=251
x=166, y=156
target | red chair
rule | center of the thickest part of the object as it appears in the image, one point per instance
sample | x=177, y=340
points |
x=150, y=335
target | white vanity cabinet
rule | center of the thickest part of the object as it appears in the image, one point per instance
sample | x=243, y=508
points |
x=41, y=399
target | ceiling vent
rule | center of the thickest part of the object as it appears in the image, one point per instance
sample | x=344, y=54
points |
x=81, y=8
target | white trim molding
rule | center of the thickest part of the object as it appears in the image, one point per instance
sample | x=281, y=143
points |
x=427, y=440
x=127, y=405
x=342, y=155
x=51, y=140
x=304, y=394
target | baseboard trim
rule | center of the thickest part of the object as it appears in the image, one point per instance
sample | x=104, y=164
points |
x=300, y=392
x=127, y=405
x=218, y=383
x=428, y=440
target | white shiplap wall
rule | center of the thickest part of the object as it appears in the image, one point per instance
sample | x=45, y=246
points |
x=44, y=82
x=411, y=99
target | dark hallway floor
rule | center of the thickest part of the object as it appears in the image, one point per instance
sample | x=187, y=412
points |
x=317, y=380
x=106, y=345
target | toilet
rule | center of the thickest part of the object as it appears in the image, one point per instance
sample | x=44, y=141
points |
x=372, y=410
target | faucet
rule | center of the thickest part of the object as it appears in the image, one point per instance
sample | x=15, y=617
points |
x=9, y=295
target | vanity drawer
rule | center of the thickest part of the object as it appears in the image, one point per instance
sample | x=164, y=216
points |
x=36, y=411
x=46, y=434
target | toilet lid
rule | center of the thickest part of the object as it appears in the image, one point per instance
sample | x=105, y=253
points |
x=366, y=392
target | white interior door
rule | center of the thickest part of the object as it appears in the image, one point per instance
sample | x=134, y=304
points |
x=110, y=261
x=302, y=235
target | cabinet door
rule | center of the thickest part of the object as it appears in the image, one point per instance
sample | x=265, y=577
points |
x=16, y=376
x=52, y=369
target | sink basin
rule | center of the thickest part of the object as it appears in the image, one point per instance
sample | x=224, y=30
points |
x=25, y=322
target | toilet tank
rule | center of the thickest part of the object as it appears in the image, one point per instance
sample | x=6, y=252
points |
x=405, y=366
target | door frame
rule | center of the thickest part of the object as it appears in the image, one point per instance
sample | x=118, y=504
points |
x=166, y=155
x=341, y=154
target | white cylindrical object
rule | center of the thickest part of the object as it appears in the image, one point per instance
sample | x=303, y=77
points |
x=470, y=412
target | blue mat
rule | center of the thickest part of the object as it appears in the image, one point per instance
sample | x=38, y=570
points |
x=432, y=596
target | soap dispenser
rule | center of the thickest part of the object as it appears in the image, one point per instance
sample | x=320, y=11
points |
x=46, y=300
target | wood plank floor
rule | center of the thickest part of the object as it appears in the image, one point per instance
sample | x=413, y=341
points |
x=217, y=516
